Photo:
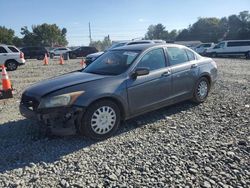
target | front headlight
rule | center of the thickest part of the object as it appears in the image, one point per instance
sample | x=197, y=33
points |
x=59, y=100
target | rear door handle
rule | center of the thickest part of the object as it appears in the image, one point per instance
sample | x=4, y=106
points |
x=194, y=66
x=165, y=74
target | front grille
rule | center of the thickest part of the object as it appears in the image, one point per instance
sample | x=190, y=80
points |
x=29, y=102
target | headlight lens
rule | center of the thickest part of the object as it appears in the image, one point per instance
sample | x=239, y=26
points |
x=60, y=100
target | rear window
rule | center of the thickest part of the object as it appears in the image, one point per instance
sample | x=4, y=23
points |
x=238, y=43
x=177, y=55
x=13, y=49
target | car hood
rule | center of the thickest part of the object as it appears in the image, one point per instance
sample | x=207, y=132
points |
x=51, y=85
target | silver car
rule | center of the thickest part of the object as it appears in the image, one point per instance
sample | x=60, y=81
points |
x=123, y=83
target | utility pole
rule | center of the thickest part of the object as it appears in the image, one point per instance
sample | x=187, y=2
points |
x=90, y=39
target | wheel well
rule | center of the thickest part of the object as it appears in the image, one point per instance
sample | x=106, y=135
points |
x=116, y=101
x=208, y=78
x=9, y=60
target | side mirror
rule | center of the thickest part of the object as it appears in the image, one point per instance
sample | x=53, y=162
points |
x=140, y=71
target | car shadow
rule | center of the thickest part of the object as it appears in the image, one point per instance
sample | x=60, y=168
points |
x=23, y=145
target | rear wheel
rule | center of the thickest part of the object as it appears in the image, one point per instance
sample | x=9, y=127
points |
x=40, y=57
x=73, y=56
x=101, y=120
x=11, y=65
x=201, y=90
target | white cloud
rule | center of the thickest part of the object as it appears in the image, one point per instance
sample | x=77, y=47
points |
x=141, y=20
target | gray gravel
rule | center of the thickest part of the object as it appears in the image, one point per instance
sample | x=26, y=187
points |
x=185, y=145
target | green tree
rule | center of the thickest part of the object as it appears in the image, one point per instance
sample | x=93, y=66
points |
x=6, y=35
x=101, y=45
x=156, y=32
x=17, y=41
x=44, y=35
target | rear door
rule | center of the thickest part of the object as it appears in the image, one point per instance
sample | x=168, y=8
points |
x=149, y=91
x=183, y=66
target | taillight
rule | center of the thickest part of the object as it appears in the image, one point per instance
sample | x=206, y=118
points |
x=21, y=55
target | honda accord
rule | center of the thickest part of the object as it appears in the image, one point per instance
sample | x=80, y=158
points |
x=123, y=83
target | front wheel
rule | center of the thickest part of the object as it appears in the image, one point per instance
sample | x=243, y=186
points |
x=201, y=90
x=101, y=120
x=11, y=65
x=248, y=55
x=213, y=55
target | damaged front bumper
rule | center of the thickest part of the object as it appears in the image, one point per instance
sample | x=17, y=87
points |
x=59, y=121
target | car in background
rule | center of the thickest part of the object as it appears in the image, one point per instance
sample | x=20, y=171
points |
x=92, y=57
x=59, y=51
x=11, y=57
x=122, y=83
x=82, y=51
x=202, y=48
x=34, y=52
x=230, y=48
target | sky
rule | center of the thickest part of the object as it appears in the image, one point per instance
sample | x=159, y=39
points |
x=121, y=19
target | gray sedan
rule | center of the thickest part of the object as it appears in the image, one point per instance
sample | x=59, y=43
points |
x=123, y=83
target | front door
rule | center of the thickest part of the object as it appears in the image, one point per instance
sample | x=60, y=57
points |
x=148, y=91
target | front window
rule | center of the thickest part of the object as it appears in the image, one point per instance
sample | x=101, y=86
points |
x=112, y=62
x=155, y=59
x=220, y=45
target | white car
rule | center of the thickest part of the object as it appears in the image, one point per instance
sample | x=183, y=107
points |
x=230, y=48
x=202, y=48
x=59, y=51
x=11, y=57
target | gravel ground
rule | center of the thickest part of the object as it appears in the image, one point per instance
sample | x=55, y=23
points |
x=185, y=145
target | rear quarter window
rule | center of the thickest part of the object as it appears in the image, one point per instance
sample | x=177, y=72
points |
x=13, y=49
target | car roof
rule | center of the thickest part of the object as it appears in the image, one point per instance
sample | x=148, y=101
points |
x=142, y=47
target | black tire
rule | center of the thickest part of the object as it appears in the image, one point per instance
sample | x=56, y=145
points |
x=52, y=56
x=248, y=55
x=213, y=55
x=40, y=57
x=199, y=96
x=73, y=56
x=85, y=122
x=11, y=65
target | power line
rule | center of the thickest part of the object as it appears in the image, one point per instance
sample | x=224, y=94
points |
x=90, y=39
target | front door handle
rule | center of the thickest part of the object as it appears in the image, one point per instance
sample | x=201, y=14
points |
x=165, y=74
x=194, y=66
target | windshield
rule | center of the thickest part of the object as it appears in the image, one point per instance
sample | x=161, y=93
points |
x=112, y=62
x=117, y=45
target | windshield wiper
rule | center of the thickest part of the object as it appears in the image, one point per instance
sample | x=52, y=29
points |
x=101, y=73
